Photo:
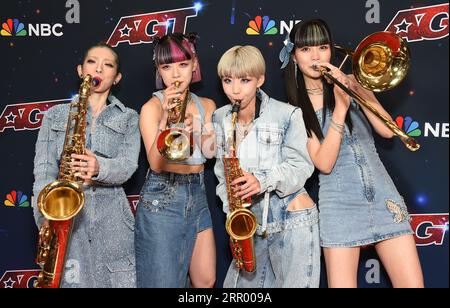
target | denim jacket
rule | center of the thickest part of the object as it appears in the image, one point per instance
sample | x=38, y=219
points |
x=101, y=252
x=274, y=151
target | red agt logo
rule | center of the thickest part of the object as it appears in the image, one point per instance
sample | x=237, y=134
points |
x=18, y=279
x=423, y=23
x=138, y=29
x=430, y=229
x=26, y=116
x=133, y=200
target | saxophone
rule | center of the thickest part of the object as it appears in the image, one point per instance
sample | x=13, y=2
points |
x=175, y=143
x=63, y=199
x=241, y=222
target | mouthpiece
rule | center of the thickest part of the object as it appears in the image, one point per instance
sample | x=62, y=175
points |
x=236, y=107
x=96, y=81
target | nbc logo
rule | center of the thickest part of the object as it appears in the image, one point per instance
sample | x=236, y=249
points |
x=13, y=28
x=411, y=127
x=16, y=198
x=262, y=26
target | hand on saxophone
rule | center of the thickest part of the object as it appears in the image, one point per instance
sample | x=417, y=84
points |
x=85, y=166
x=246, y=186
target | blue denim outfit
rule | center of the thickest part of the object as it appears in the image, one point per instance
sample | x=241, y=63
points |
x=358, y=201
x=101, y=251
x=172, y=210
x=275, y=152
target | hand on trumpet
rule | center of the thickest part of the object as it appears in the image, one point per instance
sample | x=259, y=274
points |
x=171, y=94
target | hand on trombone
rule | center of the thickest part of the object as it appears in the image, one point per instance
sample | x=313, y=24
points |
x=341, y=97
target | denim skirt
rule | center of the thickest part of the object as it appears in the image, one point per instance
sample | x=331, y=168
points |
x=172, y=210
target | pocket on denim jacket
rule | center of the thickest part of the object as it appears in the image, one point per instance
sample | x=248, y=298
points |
x=269, y=143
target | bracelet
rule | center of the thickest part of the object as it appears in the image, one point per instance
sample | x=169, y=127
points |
x=340, y=128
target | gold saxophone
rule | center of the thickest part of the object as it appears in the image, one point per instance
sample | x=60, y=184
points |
x=63, y=199
x=175, y=143
x=241, y=222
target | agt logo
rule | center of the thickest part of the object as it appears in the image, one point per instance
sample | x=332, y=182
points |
x=144, y=28
x=423, y=23
x=13, y=27
x=16, y=199
x=412, y=128
x=264, y=25
x=429, y=229
x=133, y=200
x=26, y=116
x=18, y=279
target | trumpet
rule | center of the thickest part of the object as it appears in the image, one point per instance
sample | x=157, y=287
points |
x=380, y=62
x=175, y=143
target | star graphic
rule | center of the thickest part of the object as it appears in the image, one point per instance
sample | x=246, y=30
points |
x=403, y=26
x=125, y=31
x=9, y=283
x=10, y=118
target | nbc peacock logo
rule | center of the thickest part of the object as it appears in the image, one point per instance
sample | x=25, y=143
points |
x=13, y=27
x=16, y=199
x=409, y=126
x=262, y=26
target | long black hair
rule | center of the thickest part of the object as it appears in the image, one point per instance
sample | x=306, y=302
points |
x=310, y=33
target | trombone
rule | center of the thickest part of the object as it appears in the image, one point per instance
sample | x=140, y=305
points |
x=380, y=62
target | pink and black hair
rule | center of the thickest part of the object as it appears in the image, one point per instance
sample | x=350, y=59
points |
x=172, y=48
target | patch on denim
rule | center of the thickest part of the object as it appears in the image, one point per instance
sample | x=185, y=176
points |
x=399, y=211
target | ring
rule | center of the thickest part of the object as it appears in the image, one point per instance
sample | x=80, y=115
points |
x=85, y=163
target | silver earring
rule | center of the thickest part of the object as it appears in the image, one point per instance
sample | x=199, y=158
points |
x=296, y=73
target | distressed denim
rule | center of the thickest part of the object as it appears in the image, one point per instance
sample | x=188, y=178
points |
x=358, y=201
x=275, y=152
x=172, y=210
x=101, y=251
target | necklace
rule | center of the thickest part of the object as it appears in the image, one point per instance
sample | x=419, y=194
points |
x=314, y=91
x=244, y=129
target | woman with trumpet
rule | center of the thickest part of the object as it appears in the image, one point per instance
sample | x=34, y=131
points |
x=174, y=237
x=359, y=204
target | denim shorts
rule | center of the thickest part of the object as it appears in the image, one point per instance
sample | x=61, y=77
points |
x=172, y=210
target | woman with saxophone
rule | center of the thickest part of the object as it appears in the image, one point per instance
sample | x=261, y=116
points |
x=359, y=204
x=271, y=147
x=101, y=249
x=174, y=238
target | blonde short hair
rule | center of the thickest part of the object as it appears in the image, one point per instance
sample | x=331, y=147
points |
x=242, y=61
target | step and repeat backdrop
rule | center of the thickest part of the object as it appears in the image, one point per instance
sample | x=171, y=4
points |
x=42, y=42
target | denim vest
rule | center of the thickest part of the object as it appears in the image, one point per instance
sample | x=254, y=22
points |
x=197, y=157
x=274, y=151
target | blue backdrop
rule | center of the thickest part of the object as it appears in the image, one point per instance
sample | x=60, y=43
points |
x=41, y=43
